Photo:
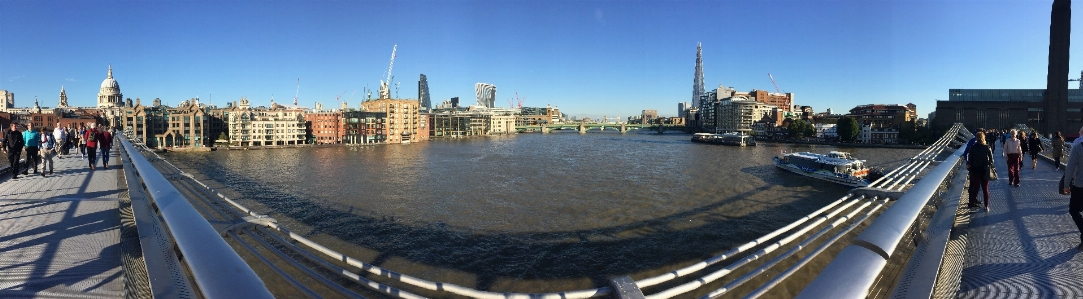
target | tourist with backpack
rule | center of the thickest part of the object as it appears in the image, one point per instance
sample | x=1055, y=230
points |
x=92, y=136
x=48, y=151
x=105, y=143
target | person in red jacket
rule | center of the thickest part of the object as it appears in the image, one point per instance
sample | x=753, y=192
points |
x=105, y=144
x=92, y=137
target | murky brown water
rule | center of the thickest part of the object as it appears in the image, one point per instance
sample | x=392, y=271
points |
x=529, y=212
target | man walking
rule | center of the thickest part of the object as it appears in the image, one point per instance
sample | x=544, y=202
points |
x=105, y=143
x=13, y=146
x=61, y=136
x=33, y=141
x=1075, y=171
x=92, y=137
x=48, y=149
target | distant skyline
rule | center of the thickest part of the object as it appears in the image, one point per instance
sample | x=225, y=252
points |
x=589, y=58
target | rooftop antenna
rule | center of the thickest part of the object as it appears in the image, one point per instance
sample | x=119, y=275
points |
x=298, y=92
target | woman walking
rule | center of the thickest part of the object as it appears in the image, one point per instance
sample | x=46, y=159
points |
x=1012, y=153
x=1058, y=149
x=82, y=141
x=1034, y=144
x=978, y=162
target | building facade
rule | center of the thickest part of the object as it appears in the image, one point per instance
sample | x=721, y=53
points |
x=109, y=95
x=265, y=127
x=404, y=122
x=1004, y=108
x=423, y=93
x=324, y=127
x=361, y=127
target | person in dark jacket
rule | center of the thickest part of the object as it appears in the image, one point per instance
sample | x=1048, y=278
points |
x=1034, y=144
x=978, y=161
x=13, y=146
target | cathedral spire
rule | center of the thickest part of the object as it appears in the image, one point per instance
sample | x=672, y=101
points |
x=110, y=71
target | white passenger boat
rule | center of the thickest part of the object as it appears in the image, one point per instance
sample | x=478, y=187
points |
x=737, y=139
x=836, y=167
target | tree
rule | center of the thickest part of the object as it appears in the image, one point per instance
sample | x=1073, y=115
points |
x=800, y=129
x=847, y=128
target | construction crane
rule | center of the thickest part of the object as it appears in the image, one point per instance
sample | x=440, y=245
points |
x=339, y=97
x=773, y=82
x=298, y=92
x=517, y=99
x=385, y=88
x=1080, y=79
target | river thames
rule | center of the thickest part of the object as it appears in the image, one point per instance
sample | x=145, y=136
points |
x=527, y=212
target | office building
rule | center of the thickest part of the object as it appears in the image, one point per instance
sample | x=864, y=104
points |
x=486, y=94
x=423, y=93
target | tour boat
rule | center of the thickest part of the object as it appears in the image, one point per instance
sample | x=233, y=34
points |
x=836, y=167
x=737, y=139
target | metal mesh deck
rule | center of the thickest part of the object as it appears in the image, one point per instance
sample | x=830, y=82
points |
x=1026, y=246
x=60, y=234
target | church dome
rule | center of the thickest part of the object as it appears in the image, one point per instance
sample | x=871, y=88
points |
x=109, y=82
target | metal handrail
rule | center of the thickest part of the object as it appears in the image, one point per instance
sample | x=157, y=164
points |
x=854, y=271
x=218, y=271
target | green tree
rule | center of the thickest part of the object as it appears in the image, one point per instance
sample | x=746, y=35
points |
x=222, y=136
x=847, y=128
x=798, y=128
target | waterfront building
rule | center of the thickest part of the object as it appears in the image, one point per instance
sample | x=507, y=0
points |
x=218, y=124
x=277, y=125
x=423, y=93
x=697, y=79
x=404, y=123
x=648, y=116
x=185, y=126
x=739, y=113
x=360, y=127
x=451, y=124
x=885, y=116
x=145, y=122
x=1004, y=108
x=486, y=94
x=324, y=127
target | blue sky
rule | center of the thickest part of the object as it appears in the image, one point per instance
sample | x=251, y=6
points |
x=590, y=58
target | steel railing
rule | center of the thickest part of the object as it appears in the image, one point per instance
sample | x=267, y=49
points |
x=857, y=268
x=217, y=269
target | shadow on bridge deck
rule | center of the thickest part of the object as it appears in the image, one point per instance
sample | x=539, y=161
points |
x=1025, y=247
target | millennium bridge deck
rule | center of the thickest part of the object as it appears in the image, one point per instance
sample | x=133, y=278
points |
x=1025, y=247
x=60, y=234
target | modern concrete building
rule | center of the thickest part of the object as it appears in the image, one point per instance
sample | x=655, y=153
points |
x=739, y=113
x=8, y=99
x=648, y=116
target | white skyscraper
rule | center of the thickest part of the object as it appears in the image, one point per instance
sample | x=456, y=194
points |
x=486, y=94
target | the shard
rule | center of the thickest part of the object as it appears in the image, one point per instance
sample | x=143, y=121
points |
x=697, y=82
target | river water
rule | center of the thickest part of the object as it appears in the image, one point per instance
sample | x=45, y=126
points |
x=528, y=212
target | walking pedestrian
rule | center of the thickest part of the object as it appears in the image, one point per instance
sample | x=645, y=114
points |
x=82, y=141
x=105, y=143
x=33, y=154
x=1071, y=172
x=13, y=146
x=1013, y=155
x=978, y=162
x=60, y=136
x=1058, y=149
x=92, y=137
x=73, y=140
x=48, y=151
x=1035, y=147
